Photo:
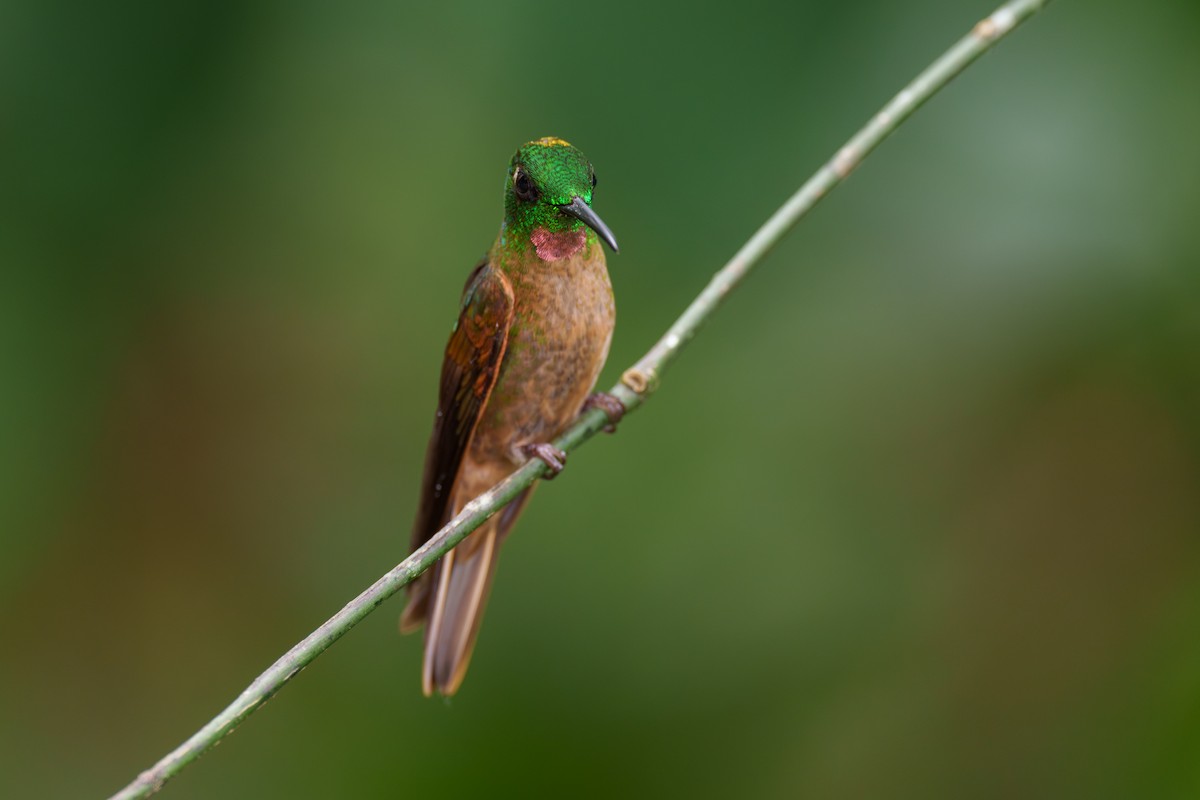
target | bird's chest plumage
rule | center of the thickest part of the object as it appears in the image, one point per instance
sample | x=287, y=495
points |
x=562, y=326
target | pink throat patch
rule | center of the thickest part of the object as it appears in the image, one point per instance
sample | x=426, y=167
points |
x=553, y=246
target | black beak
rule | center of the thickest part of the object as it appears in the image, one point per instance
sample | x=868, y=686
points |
x=583, y=212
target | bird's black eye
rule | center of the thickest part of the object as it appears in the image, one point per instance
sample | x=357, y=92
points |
x=593, y=180
x=524, y=187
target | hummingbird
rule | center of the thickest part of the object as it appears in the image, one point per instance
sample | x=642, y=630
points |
x=534, y=327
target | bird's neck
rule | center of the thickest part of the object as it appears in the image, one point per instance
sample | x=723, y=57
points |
x=551, y=246
x=540, y=243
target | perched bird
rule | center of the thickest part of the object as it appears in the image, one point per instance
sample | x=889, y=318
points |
x=533, y=331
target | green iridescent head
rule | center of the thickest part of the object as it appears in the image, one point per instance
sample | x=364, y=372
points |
x=549, y=193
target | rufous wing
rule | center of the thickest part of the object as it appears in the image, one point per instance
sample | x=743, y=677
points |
x=470, y=369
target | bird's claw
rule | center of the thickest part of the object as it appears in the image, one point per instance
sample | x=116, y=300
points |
x=610, y=405
x=549, y=455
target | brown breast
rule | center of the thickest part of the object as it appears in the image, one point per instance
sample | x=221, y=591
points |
x=562, y=328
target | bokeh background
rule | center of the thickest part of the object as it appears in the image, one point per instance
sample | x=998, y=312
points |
x=915, y=516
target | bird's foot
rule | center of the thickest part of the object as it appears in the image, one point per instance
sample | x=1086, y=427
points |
x=609, y=405
x=549, y=455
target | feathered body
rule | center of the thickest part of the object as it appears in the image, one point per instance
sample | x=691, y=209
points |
x=533, y=332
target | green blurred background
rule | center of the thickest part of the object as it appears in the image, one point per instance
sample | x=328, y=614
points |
x=916, y=515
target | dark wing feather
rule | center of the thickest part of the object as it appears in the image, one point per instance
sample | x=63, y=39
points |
x=469, y=372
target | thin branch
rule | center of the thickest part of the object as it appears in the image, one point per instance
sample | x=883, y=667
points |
x=637, y=383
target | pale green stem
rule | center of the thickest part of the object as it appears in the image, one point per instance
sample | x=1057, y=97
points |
x=636, y=385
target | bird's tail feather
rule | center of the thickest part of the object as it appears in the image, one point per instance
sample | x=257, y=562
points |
x=462, y=582
x=453, y=601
